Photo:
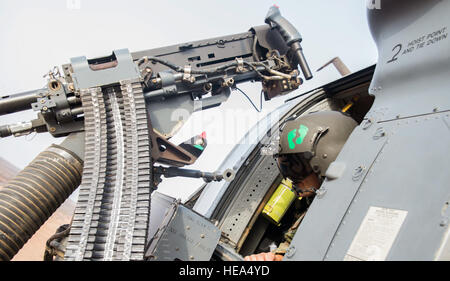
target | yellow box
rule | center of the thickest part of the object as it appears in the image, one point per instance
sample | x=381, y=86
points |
x=279, y=202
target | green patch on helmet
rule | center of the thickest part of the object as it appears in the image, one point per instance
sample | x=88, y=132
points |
x=302, y=131
x=290, y=136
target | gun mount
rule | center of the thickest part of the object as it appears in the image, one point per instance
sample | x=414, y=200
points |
x=124, y=108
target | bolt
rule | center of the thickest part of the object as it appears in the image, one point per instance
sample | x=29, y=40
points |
x=290, y=251
x=321, y=192
x=207, y=87
x=188, y=227
x=191, y=258
x=229, y=82
x=202, y=235
x=367, y=124
x=44, y=108
x=358, y=172
x=379, y=133
x=52, y=129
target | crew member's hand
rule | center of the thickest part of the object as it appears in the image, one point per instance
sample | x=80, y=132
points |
x=264, y=257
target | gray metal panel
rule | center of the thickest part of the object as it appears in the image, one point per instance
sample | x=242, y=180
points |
x=84, y=77
x=222, y=47
x=411, y=76
x=171, y=114
x=183, y=235
x=160, y=207
x=409, y=174
x=250, y=196
x=410, y=80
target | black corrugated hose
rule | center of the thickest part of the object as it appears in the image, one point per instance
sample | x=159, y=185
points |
x=29, y=199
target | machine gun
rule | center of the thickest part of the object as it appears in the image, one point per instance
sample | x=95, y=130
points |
x=119, y=113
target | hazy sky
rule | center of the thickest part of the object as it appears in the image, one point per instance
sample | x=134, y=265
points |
x=37, y=35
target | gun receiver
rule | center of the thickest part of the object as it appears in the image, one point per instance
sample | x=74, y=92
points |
x=191, y=76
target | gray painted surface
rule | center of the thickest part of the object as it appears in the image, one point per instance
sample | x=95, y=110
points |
x=406, y=168
x=182, y=234
x=251, y=194
x=403, y=178
x=84, y=77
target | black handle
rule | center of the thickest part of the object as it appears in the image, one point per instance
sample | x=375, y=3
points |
x=287, y=30
x=291, y=36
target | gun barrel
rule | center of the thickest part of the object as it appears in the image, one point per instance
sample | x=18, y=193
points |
x=18, y=102
x=22, y=128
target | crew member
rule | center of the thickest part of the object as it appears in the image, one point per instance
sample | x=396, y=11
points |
x=308, y=145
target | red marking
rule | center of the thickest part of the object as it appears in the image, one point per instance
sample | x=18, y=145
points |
x=276, y=6
x=203, y=135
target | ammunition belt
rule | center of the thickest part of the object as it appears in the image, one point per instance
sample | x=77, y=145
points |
x=112, y=213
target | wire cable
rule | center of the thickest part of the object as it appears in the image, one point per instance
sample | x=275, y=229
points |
x=220, y=69
x=254, y=106
x=216, y=70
